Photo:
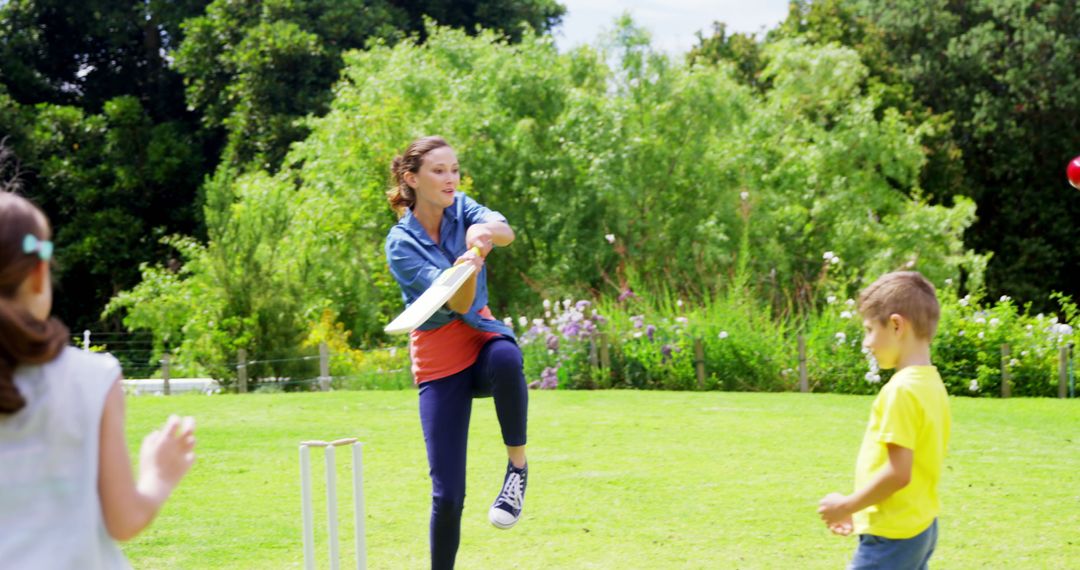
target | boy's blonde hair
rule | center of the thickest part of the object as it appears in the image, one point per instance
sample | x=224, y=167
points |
x=904, y=293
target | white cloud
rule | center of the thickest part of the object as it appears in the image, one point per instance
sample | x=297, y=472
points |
x=672, y=23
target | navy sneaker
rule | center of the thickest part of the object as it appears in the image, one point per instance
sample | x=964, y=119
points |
x=506, y=510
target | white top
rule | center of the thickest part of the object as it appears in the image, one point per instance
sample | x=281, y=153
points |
x=50, y=511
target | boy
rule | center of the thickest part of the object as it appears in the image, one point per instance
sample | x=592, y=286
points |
x=894, y=508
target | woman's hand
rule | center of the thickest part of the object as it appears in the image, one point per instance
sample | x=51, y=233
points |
x=481, y=236
x=472, y=257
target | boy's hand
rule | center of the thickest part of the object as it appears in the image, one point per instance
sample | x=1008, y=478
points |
x=834, y=511
x=843, y=528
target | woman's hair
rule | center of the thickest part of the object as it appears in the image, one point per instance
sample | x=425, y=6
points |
x=401, y=196
x=23, y=338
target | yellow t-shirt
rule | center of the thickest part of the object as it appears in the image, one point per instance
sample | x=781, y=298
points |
x=912, y=411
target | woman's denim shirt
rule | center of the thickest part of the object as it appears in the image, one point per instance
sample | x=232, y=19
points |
x=415, y=261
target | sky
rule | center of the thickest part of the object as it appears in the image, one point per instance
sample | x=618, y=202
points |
x=672, y=23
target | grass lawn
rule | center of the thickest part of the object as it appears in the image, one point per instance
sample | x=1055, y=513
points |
x=618, y=479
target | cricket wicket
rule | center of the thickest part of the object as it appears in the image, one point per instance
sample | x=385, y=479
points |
x=331, y=501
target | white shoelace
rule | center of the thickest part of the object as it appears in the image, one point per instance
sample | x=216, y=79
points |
x=512, y=492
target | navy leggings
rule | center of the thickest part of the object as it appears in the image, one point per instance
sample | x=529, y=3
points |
x=445, y=406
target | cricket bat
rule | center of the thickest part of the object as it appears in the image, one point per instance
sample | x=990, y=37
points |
x=445, y=285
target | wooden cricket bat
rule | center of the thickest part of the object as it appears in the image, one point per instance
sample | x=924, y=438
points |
x=445, y=285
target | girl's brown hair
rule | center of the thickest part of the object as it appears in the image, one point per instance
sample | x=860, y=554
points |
x=401, y=195
x=23, y=338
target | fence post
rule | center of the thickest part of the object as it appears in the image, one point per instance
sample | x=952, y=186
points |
x=593, y=357
x=605, y=356
x=324, y=367
x=165, y=374
x=1072, y=373
x=1006, y=375
x=804, y=383
x=241, y=371
x=699, y=363
x=1063, y=370
x=86, y=339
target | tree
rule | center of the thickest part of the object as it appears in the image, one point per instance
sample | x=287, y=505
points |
x=700, y=181
x=254, y=67
x=995, y=82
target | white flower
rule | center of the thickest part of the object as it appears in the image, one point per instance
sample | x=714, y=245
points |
x=873, y=377
x=610, y=238
x=1053, y=320
x=830, y=299
x=547, y=304
x=1064, y=329
x=547, y=314
x=961, y=333
x=1005, y=298
x=682, y=320
x=994, y=322
x=850, y=302
x=744, y=195
x=827, y=256
x=566, y=304
x=638, y=334
x=974, y=386
x=845, y=315
x=840, y=337
x=509, y=322
x=964, y=302
x=523, y=321
x=1014, y=362
x=679, y=303
x=980, y=320
x=723, y=334
x=981, y=335
x=948, y=282
x=1023, y=353
x=538, y=322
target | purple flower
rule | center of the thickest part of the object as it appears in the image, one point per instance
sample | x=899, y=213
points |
x=638, y=320
x=666, y=351
x=600, y=319
x=627, y=294
x=549, y=378
x=587, y=328
x=651, y=332
x=582, y=305
x=571, y=329
x=552, y=342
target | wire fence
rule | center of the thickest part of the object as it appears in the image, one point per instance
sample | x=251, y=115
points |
x=148, y=373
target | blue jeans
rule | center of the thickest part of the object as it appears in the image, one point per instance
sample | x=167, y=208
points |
x=445, y=407
x=880, y=553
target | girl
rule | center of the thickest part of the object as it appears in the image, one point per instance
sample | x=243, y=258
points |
x=461, y=352
x=66, y=485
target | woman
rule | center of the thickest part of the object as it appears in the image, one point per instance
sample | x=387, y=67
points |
x=461, y=352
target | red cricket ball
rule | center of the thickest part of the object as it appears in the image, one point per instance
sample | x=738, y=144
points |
x=1073, y=172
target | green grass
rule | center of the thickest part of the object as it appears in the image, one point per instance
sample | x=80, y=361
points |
x=618, y=479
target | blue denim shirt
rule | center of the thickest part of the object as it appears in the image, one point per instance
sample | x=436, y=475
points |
x=415, y=261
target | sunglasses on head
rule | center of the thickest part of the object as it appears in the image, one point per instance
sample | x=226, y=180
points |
x=33, y=245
